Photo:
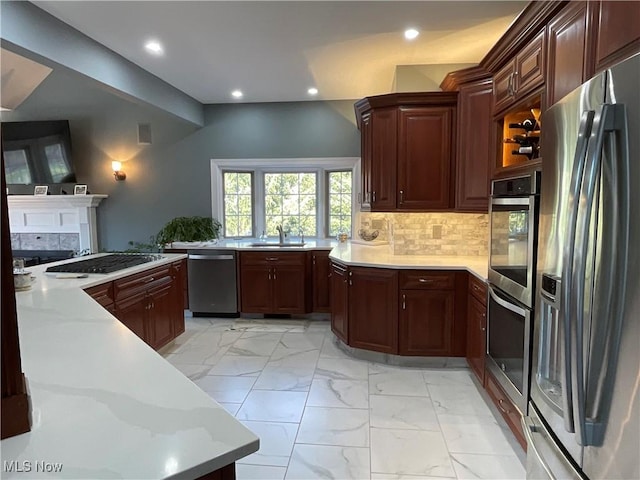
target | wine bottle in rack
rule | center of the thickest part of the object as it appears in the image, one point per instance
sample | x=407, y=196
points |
x=528, y=125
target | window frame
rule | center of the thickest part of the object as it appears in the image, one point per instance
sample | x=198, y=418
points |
x=259, y=166
x=222, y=217
x=327, y=198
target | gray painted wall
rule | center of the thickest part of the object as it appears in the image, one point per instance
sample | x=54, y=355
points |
x=171, y=177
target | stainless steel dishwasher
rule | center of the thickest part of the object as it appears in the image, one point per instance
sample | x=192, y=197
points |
x=212, y=283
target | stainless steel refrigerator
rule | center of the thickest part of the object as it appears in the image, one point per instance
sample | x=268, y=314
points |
x=584, y=415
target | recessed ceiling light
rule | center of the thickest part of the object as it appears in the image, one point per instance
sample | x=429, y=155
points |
x=153, y=46
x=236, y=94
x=411, y=33
x=312, y=91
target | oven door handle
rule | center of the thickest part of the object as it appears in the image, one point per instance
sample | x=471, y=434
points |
x=508, y=305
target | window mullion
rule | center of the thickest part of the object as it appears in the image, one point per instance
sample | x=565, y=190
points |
x=260, y=210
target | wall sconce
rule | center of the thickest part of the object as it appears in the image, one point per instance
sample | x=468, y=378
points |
x=118, y=174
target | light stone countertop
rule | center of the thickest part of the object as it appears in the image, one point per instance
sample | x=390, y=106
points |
x=381, y=257
x=105, y=404
x=309, y=244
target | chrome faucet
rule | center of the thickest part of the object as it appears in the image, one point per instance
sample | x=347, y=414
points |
x=280, y=233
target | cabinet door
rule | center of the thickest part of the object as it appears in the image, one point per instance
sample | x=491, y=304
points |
x=366, y=153
x=503, y=88
x=288, y=289
x=426, y=322
x=255, y=285
x=321, y=276
x=373, y=309
x=424, y=158
x=529, y=66
x=161, y=314
x=618, y=31
x=181, y=299
x=103, y=294
x=566, y=55
x=476, y=336
x=132, y=312
x=384, y=159
x=475, y=131
x=339, y=302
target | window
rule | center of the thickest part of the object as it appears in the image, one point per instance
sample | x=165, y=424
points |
x=312, y=195
x=339, y=185
x=238, y=204
x=17, y=166
x=290, y=201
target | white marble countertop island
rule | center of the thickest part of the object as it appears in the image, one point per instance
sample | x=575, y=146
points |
x=381, y=257
x=104, y=404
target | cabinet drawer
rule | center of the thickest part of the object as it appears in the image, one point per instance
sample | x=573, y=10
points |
x=127, y=286
x=478, y=289
x=103, y=294
x=427, y=279
x=530, y=66
x=271, y=258
x=507, y=408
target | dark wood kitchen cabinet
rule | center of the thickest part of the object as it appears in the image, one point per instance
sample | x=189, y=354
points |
x=273, y=282
x=340, y=301
x=373, y=309
x=475, y=148
x=568, y=52
x=407, y=151
x=427, y=301
x=321, y=273
x=616, y=28
x=520, y=76
x=149, y=303
x=477, y=326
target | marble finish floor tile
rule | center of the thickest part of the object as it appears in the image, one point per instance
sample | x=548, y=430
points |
x=400, y=382
x=459, y=400
x=412, y=413
x=284, y=378
x=276, y=443
x=315, y=462
x=331, y=350
x=476, y=438
x=411, y=452
x=232, y=408
x=345, y=427
x=253, y=347
x=489, y=467
x=287, y=357
x=449, y=377
x=192, y=371
x=272, y=406
x=302, y=341
x=327, y=392
x=239, y=365
x=259, y=472
x=342, y=369
x=395, y=476
x=225, y=388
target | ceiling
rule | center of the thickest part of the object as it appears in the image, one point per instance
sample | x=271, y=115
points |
x=275, y=51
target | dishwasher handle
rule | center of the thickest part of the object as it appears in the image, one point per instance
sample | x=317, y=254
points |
x=211, y=257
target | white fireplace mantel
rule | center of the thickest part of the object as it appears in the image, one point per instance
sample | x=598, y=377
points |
x=56, y=214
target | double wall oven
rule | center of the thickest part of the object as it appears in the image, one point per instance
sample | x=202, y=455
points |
x=513, y=218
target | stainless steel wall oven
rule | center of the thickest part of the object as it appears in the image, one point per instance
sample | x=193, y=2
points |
x=512, y=254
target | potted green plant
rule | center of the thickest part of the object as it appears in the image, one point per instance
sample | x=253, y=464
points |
x=189, y=229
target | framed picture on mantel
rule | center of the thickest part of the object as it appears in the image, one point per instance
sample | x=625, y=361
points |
x=80, y=190
x=41, y=190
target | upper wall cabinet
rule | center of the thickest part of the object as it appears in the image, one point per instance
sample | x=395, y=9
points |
x=520, y=76
x=568, y=53
x=407, y=151
x=617, y=31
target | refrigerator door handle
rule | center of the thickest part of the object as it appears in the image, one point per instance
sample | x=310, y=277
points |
x=584, y=132
x=609, y=120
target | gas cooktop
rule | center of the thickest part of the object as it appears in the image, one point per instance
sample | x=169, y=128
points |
x=105, y=264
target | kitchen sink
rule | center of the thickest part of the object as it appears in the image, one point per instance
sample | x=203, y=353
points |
x=272, y=244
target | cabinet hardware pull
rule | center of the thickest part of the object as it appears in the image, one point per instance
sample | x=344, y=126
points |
x=150, y=279
x=350, y=282
x=404, y=302
x=500, y=402
x=483, y=329
x=274, y=273
x=351, y=274
x=401, y=196
x=374, y=197
x=425, y=280
x=272, y=259
x=269, y=274
x=484, y=315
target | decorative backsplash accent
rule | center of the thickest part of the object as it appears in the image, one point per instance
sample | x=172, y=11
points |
x=457, y=234
x=45, y=241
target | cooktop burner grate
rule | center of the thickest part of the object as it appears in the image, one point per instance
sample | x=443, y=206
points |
x=106, y=264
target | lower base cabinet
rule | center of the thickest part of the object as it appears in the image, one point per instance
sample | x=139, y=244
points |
x=373, y=309
x=150, y=303
x=426, y=322
x=340, y=301
x=508, y=410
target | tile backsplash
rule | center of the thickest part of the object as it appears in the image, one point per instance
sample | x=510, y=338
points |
x=45, y=241
x=431, y=233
